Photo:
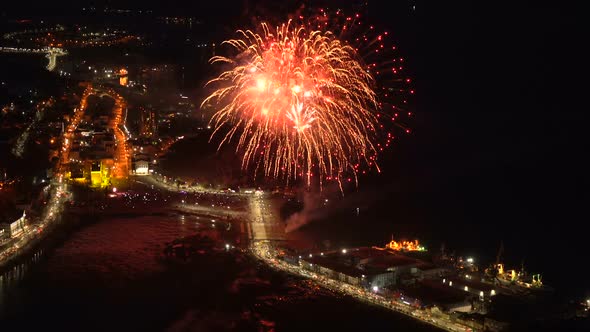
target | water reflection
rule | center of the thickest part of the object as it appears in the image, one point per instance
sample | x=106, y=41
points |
x=11, y=277
x=114, y=275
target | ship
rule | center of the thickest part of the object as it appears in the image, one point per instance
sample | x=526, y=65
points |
x=512, y=280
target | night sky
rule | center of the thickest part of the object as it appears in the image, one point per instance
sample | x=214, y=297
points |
x=499, y=143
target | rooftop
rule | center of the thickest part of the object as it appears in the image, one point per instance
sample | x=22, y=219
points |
x=425, y=266
x=9, y=216
x=391, y=260
x=372, y=261
x=430, y=292
x=336, y=266
x=473, y=284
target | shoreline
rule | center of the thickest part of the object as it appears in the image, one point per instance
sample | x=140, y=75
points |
x=51, y=238
x=330, y=284
x=259, y=247
x=257, y=253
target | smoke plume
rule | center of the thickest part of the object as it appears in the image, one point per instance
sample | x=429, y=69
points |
x=315, y=206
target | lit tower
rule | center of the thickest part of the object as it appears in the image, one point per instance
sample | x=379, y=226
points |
x=123, y=77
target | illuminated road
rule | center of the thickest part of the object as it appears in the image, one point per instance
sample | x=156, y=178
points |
x=58, y=193
x=68, y=136
x=264, y=229
x=52, y=213
x=122, y=157
x=266, y=252
x=264, y=224
x=19, y=148
x=122, y=153
x=51, y=53
x=260, y=217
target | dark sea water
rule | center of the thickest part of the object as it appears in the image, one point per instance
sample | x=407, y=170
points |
x=24, y=71
x=470, y=190
x=496, y=151
x=108, y=277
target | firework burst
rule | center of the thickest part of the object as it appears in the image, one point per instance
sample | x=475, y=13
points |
x=300, y=101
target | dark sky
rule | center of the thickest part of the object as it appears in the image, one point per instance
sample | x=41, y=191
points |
x=500, y=136
x=498, y=84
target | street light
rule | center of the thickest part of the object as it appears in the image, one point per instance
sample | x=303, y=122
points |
x=344, y=251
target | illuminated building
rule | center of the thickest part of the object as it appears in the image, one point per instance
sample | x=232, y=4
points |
x=367, y=267
x=334, y=270
x=76, y=171
x=107, y=165
x=101, y=172
x=123, y=77
x=429, y=293
x=403, y=246
x=95, y=174
x=469, y=285
x=12, y=227
x=149, y=123
x=141, y=167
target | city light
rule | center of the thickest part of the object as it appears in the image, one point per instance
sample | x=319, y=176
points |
x=303, y=105
x=404, y=246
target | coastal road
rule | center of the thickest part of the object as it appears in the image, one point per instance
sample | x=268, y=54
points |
x=122, y=166
x=262, y=222
x=265, y=229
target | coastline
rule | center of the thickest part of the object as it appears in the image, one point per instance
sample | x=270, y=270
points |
x=261, y=249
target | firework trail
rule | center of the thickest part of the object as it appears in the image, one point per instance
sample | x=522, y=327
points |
x=300, y=102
